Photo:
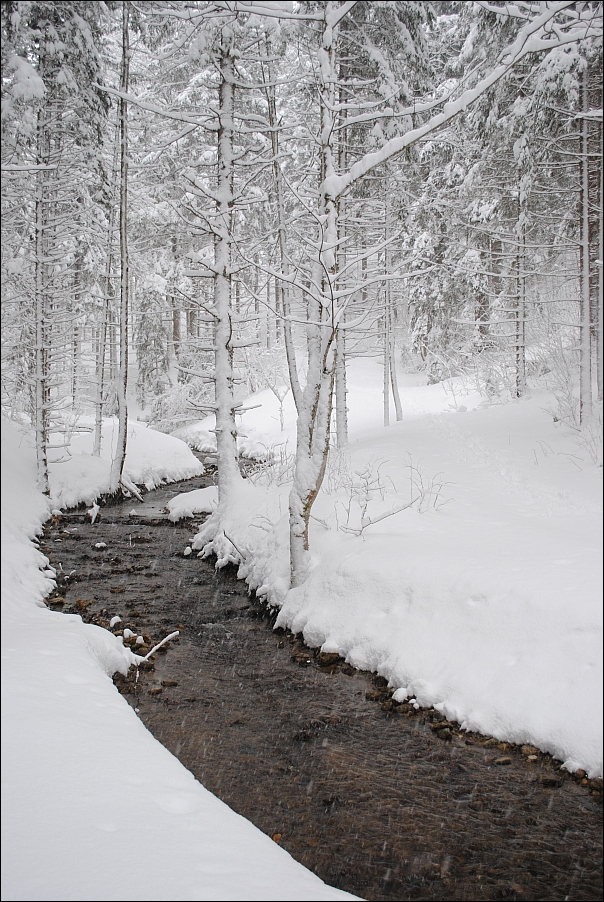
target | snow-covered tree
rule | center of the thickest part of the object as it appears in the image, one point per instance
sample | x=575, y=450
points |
x=53, y=115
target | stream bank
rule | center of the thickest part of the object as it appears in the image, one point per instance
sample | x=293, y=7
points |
x=380, y=799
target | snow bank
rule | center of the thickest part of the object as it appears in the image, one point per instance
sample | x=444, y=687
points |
x=484, y=598
x=152, y=458
x=263, y=438
x=261, y=434
x=199, y=501
x=93, y=807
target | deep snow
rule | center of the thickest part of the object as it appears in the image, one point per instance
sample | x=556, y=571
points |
x=93, y=807
x=483, y=598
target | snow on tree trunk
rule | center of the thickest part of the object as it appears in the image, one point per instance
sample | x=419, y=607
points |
x=312, y=445
x=600, y=306
x=117, y=464
x=536, y=35
x=585, y=396
x=103, y=332
x=42, y=393
x=226, y=429
x=520, y=313
x=212, y=538
x=341, y=388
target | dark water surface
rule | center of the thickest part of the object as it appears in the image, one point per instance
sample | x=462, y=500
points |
x=378, y=799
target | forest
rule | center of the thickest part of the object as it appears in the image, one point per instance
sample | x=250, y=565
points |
x=301, y=449
x=205, y=199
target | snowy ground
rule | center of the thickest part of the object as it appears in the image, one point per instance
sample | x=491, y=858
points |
x=93, y=807
x=152, y=458
x=483, y=598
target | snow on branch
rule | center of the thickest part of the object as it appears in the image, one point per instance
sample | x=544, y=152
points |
x=540, y=34
x=25, y=167
x=280, y=9
x=195, y=121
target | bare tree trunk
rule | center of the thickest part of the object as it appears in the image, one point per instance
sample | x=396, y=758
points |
x=278, y=313
x=398, y=407
x=288, y=338
x=76, y=339
x=594, y=127
x=390, y=378
x=520, y=311
x=176, y=336
x=105, y=323
x=600, y=308
x=192, y=326
x=386, y=364
x=585, y=399
x=341, y=390
x=42, y=394
x=117, y=465
x=113, y=346
x=312, y=444
x=266, y=323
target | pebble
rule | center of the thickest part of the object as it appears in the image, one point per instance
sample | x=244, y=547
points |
x=549, y=781
x=326, y=658
x=529, y=750
x=301, y=658
x=502, y=761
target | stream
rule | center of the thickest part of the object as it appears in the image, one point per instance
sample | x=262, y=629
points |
x=380, y=799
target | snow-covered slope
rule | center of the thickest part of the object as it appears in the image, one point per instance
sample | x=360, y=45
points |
x=484, y=597
x=152, y=458
x=93, y=807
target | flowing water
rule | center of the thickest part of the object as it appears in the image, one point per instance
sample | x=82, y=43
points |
x=376, y=798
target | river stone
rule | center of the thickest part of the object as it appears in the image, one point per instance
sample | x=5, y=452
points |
x=301, y=657
x=327, y=658
x=550, y=781
x=529, y=750
x=442, y=725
